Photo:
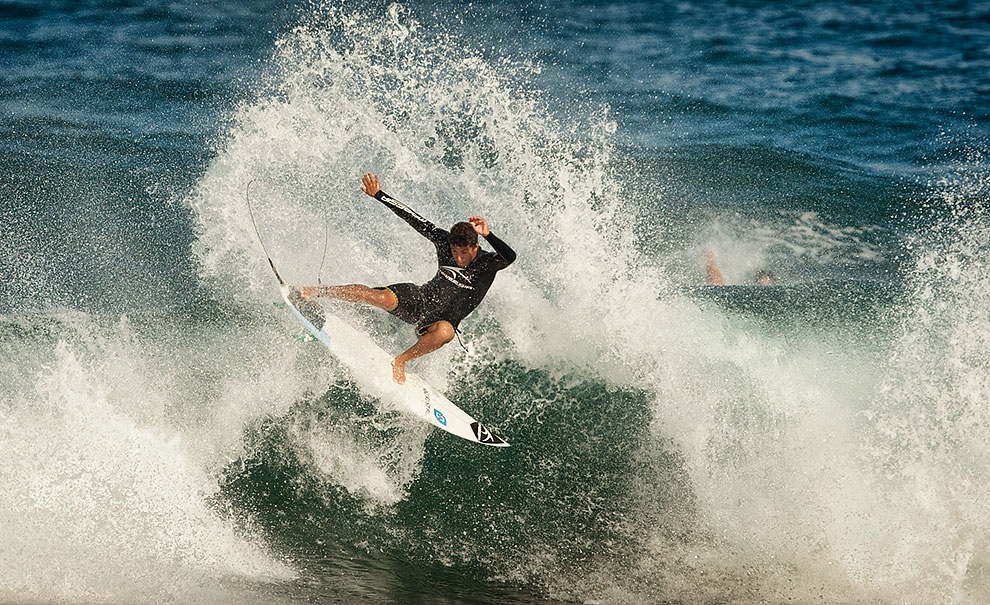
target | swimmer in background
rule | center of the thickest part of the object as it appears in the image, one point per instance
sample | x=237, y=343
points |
x=763, y=278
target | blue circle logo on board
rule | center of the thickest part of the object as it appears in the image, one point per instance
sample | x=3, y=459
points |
x=440, y=417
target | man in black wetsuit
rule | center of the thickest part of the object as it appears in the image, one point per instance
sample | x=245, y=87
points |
x=465, y=272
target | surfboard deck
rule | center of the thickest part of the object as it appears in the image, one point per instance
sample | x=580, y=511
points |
x=371, y=368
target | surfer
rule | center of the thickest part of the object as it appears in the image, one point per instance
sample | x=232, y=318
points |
x=465, y=272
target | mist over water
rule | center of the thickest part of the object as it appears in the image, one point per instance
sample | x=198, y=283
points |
x=815, y=441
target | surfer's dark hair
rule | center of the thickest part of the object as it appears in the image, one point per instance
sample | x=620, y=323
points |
x=463, y=234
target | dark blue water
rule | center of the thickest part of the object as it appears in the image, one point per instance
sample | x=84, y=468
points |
x=166, y=437
x=111, y=111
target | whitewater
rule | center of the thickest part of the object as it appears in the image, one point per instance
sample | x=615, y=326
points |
x=168, y=435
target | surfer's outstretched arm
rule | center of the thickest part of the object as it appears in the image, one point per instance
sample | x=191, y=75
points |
x=437, y=335
x=371, y=186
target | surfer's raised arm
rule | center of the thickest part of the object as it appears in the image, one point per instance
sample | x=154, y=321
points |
x=371, y=185
x=505, y=253
x=501, y=248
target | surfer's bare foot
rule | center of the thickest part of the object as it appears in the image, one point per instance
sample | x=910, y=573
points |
x=399, y=371
x=308, y=292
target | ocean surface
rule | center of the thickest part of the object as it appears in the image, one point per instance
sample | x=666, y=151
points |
x=166, y=436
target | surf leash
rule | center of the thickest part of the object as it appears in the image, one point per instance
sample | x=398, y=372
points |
x=326, y=243
x=247, y=199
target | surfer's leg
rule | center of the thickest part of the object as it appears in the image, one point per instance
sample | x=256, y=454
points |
x=357, y=293
x=435, y=336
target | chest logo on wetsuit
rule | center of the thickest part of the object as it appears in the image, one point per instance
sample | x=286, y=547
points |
x=456, y=276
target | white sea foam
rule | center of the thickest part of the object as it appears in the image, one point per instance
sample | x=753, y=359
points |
x=105, y=497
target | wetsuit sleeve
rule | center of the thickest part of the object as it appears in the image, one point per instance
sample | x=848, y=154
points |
x=506, y=253
x=417, y=222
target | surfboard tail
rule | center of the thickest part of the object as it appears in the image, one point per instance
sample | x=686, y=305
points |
x=485, y=436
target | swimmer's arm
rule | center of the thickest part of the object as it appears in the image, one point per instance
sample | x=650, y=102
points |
x=714, y=275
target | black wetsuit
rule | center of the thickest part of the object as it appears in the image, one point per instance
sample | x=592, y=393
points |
x=454, y=291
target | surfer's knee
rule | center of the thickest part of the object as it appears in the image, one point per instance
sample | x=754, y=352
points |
x=387, y=299
x=442, y=331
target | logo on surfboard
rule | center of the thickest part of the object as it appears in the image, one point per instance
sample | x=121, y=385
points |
x=440, y=417
x=484, y=435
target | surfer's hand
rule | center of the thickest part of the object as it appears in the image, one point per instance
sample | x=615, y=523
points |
x=370, y=184
x=480, y=226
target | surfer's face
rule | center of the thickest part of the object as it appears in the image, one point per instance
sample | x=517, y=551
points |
x=463, y=255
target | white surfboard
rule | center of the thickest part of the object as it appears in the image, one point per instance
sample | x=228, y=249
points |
x=371, y=368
